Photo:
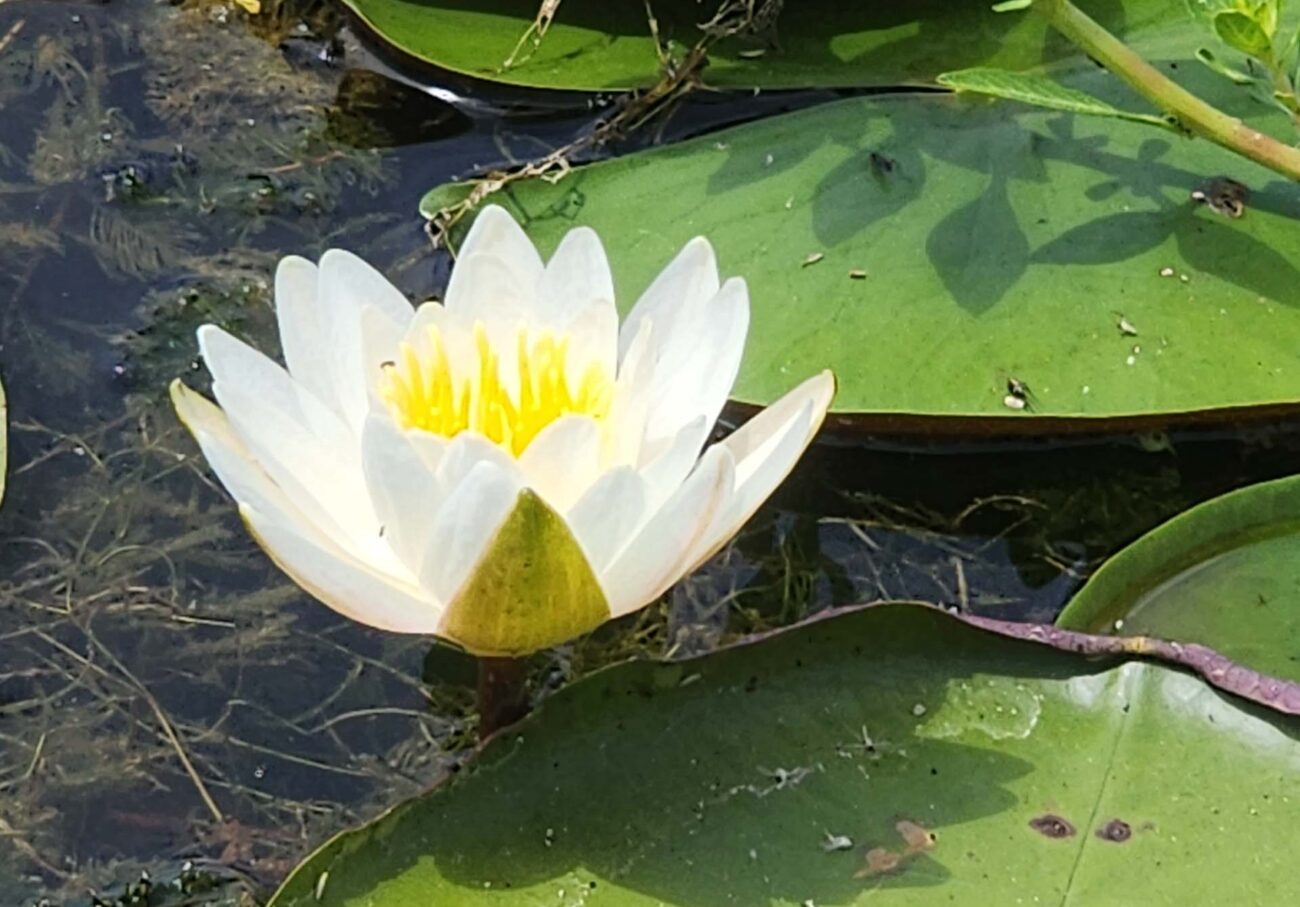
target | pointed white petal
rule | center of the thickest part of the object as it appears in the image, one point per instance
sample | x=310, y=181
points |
x=348, y=286
x=430, y=448
x=484, y=287
x=608, y=514
x=671, y=460
x=302, y=335
x=495, y=233
x=456, y=332
x=402, y=488
x=576, y=278
x=341, y=581
x=303, y=446
x=236, y=467
x=563, y=460
x=467, y=450
x=656, y=557
x=464, y=526
x=630, y=408
x=752, y=442
x=380, y=343
x=698, y=360
x=593, y=340
x=348, y=283
x=689, y=280
x=766, y=449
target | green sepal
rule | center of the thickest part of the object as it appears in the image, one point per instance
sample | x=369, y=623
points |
x=533, y=588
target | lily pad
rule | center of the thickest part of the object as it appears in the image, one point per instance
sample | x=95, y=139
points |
x=964, y=244
x=607, y=44
x=1224, y=574
x=892, y=747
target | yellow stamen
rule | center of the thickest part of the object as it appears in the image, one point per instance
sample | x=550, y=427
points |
x=424, y=391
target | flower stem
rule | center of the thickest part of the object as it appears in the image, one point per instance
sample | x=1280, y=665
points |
x=1191, y=112
x=502, y=693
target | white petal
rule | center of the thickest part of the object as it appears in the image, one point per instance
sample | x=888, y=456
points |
x=593, y=340
x=689, y=280
x=380, y=343
x=343, y=582
x=348, y=283
x=632, y=398
x=752, y=442
x=563, y=460
x=657, y=555
x=608, y=513
x=302, y=336
x=302, y=445
x=766, y=449
x=698, y=359
x=348, y=286
x=234, y=365
x=516, y=264
x=576, y=278
x=431, y=448
x=497, y=233
x=464, y=527
x=457, y=334
x=489, y=290
x=466, y=451
x=236, y=467
x=402, y=488
x=670, y=461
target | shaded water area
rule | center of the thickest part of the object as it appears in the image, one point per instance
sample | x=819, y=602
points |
x=169, y=703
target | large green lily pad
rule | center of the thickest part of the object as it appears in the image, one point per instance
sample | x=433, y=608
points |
x=997, y=242
x=1224, y=574
x=602, y=44
x=736, y=778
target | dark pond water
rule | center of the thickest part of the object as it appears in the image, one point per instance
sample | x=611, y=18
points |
x=166, y=697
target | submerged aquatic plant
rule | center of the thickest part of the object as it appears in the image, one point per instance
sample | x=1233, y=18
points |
x=508, y=470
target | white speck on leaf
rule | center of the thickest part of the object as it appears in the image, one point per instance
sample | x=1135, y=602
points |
x=831, y=843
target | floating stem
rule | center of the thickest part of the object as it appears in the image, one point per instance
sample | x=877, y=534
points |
x=1192, y=113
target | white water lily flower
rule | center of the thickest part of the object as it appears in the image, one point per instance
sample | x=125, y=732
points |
x=507, y=470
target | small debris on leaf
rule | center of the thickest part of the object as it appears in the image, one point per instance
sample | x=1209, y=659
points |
x=1116, y=831
x=812, y=258
x=879, y=860
x=858, y=274
x=917, y=837
x=1166, y=272
x=831, y=843
x=1051, y=826
x=1126, y=327
x=1222, y=196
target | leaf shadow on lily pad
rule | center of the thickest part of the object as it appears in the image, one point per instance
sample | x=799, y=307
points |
x=736, y=802
x=979, y=250
x=1208, y=242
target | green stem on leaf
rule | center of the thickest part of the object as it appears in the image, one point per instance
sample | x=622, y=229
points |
x=502, y=693
x=1193, y=114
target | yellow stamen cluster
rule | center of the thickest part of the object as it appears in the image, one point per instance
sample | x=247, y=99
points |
x=425, y=391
